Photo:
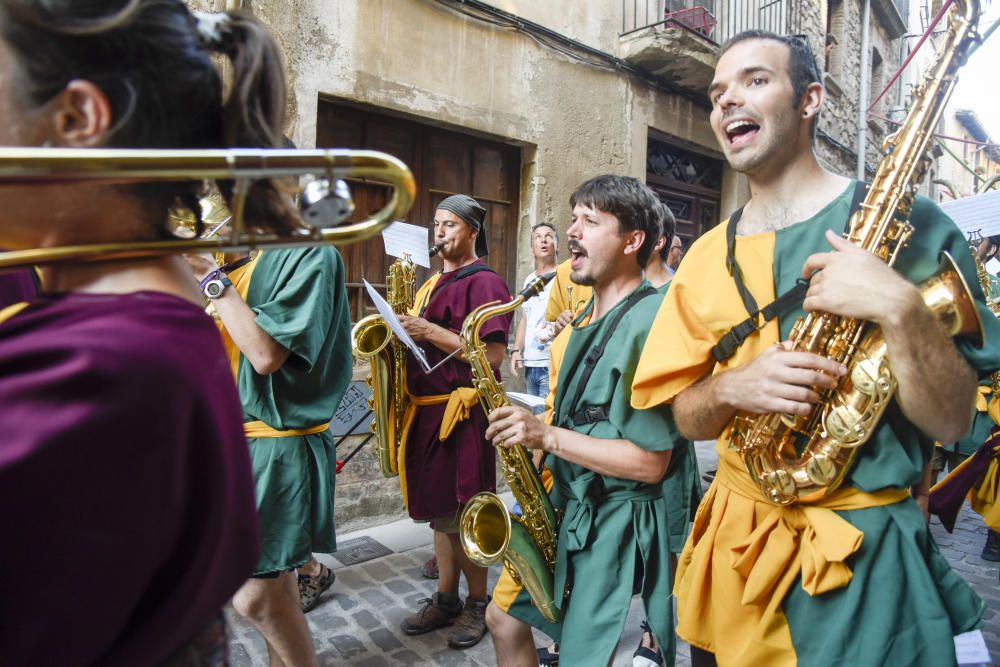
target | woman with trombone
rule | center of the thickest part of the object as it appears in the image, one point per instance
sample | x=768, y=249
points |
x=127, y=499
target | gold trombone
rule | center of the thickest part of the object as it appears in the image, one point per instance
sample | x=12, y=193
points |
x=325, y=199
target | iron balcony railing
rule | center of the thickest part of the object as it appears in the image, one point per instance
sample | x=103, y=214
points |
x=716, y=21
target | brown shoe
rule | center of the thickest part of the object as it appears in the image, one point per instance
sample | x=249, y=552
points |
x=432, y=616
x=470, y=626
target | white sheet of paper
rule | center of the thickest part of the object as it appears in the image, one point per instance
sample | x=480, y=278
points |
x=404, y=239
x=970, y=648
x=385, y=310
x=529, y=401
x=993, y=266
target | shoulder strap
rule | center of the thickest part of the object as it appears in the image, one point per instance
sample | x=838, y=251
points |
x=758, y=317
x=600, y=412
x=461, y=273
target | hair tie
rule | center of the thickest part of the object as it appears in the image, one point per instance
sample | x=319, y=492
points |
x=212, y=26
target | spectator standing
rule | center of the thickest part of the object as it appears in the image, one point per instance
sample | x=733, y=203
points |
x=534, y=336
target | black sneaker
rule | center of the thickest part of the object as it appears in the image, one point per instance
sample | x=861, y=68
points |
x=432, y=615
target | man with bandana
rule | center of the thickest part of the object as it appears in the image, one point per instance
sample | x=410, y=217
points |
x=445, y=457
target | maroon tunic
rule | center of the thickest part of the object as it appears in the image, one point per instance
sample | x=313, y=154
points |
x=443, y=476
x=128, y=510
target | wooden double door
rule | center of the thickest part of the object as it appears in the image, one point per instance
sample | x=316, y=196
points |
x=444, y=162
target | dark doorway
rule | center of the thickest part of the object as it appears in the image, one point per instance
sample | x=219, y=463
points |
x=688, y=180
x=444, y=162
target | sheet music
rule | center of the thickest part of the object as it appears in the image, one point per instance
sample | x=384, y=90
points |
x=385, y=310
x=970, y=648
x=526, y=400
x=403, y=239
x=993, y=266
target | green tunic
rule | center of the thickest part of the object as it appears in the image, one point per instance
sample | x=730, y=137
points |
x=614, y=539
x=300, y=301
x=681, y=487
x=902, y=588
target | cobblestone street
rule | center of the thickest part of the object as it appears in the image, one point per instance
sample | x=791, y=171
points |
x=357, y=621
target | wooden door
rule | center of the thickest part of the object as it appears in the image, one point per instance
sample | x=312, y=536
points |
x=444, y=162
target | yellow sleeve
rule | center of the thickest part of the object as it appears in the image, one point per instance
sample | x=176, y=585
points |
x=559, y=294
x=700, y=306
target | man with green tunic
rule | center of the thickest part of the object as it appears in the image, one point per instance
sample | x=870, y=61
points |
x=284, y=318
x=607, y=459
x=853, y=578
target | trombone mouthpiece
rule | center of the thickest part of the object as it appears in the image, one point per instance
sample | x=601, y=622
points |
x=537, y=285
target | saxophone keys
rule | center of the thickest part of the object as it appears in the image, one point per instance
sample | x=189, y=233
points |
x=864, y=376
x=845, y=425
x=779, y=486
x=821, y=470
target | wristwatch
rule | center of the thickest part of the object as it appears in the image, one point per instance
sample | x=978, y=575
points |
x=214, y=284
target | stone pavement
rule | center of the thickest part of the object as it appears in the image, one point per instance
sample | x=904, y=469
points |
x=357, y=620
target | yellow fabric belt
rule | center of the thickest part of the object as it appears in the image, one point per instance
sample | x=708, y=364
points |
x=743, y=547
x=259, y=429
x=460, y=403
x=812, y=538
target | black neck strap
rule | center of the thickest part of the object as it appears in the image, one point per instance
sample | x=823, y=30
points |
x=456, y=275
x=589, y=415
x=758, y=317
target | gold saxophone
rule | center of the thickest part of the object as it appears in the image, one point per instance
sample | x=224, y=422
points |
x=488, y=532
x=372, y=339
x=847, y=416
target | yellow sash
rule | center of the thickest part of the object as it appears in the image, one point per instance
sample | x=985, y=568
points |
x=423, y=295
x=460, y=403
x=241, y=283
x=746, y=550
x=12, y=310
x=259, y=429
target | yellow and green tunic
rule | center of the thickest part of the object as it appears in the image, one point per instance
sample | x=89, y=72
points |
x=300, y=301
x=856, y=579
x=614, y=538
x=681, y=486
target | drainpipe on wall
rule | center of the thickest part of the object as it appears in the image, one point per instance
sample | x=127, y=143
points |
x=865, y=85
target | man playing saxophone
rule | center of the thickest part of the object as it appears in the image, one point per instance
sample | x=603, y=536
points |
x=607, y=459
x=761, y=583
x=444, y=458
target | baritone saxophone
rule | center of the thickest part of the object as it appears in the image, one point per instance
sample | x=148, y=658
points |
x=847, y=416
x=371, y=339
x=488, y=532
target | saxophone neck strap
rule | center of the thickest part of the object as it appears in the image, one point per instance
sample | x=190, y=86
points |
x=592, y=414
x=758, y=317
x=458, y=274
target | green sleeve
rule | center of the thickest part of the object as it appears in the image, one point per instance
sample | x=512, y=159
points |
x=652, y=429
x=935, y=232
x=296, y=292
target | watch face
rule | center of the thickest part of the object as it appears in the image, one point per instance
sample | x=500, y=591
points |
x=213, y=288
